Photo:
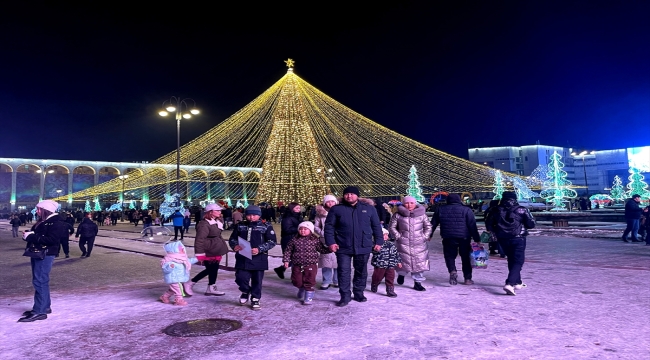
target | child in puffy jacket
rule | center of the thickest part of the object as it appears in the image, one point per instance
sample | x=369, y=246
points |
x=384, y=262
x=176, y=270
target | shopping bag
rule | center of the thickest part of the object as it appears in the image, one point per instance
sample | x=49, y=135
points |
x=487, y=237
x=479, y=256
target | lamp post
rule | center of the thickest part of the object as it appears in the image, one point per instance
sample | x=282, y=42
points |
x=123, y=178
x=176, y=104
x=584, y=167
x=43, y=172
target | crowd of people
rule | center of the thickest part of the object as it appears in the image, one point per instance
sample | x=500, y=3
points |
x=339, y=239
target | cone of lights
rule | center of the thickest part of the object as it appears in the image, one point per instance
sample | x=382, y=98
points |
x=307, y=145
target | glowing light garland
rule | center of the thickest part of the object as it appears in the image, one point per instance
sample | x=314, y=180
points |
x=522, y=189
x=556, y=187
x=308, y=145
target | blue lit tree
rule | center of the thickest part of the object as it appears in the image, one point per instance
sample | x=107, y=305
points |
x=87, y=208
x=522, y=190
x=617, y=192
x=499, y=187
x=97, y=206
x=414, y=185
x=556, y=187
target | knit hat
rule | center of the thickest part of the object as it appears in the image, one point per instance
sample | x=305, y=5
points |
x=307, y=224
x=409, y=199
x=385, y=231
x=253, y=210
x=508, y=195
x=49, y=205
x=330, y=198
x=214, y=207
x=351, y=190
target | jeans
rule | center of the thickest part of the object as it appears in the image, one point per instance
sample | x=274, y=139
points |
x=14, y=231
x=211, y=270
x=176, y=230
x=453, y=247
x=41, y=281
x=329, y=274
x=82, y=244
x=345, y=263
x=632, y=226
x=515, y=250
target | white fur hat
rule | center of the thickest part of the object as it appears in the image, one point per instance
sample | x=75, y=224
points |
x=307, y=224
x=211, y=207
x=385, y=231
x=409, y=199
x=330, y=198
x=49, y=205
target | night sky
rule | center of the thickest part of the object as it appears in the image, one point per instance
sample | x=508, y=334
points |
x=78, y=83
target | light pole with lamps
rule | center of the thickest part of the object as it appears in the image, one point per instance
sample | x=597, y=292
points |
x=123, y=178
x=584, y=167
x=43, y=172
x=176, y=104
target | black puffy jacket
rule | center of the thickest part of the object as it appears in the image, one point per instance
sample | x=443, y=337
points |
x=632, y=210
x=456, y=220
x=355, y=229
x=49, y=233
x=509, y=220
x=87, y=228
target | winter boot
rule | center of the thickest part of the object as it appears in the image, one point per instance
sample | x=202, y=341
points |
x=212, y=290
x=453, y=278
x=187, y=286
x=418, y=287
x=309, y=297
x=280, y=271
x=165, y=298
x=390, y=291
x=373, y=287
x=301, y=293
x=180, y=301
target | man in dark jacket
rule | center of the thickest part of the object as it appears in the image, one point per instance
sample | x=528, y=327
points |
x=349, y=231
x=86, y=232
x=457, y=228
x=288, y=229
x=632, y=216
x=249, y=273
x=510, y=222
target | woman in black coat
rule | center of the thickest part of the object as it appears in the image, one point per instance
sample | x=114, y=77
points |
x=289, y=228
x=46, y=233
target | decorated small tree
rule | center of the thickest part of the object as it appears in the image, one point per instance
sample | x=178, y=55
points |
x=87, y=208
x=414, y=185
x=145, y=202
x=97, y=206
x=499, y=187
x=132, y=205
x=617, y=193
x=636, y=184
x=556, y=187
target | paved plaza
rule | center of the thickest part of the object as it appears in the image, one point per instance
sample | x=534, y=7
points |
x=587, y=297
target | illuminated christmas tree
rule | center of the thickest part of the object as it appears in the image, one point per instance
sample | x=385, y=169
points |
x=132, y=205
x=636, y=184
x=556, y=187
x=617, y=193
x=499, y=187
x=414, y=185
x=97, y=206
x=145, y=202
x=87, y=208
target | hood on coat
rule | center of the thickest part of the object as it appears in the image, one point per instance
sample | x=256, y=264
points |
x=366, y=201
x=418, y=211
x=453, y=199
x=320, y=210
x=174, y=247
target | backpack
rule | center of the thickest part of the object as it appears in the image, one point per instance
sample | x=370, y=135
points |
x=507, y=222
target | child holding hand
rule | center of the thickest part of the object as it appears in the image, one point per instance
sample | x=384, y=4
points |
x=176, y=270
x=303, y=252
x=384, y=263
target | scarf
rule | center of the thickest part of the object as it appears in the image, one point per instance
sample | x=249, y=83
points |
x=177, y=258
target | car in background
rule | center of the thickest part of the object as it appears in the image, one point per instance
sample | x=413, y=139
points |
x=535, y=206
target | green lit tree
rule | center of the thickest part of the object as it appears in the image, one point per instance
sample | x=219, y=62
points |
x=97, y=206
x=87, y=208
x=132, y=205
x=414, y=185
x=499, y=187
x=617, y=193
x=145, y=202
x=556, y=187
x=636, y=184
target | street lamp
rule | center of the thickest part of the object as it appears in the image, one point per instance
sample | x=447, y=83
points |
x=175, y=104
x=41, y=171
x=123, y=178
x=584, y=166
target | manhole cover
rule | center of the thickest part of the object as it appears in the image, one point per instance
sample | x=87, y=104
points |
x=202, y=327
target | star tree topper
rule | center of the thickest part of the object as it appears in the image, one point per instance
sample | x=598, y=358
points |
x=289, y=62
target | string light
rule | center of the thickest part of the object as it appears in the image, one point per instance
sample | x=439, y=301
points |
x=293, y=130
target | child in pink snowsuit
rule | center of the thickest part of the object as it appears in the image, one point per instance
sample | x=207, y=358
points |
x=176, y=270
